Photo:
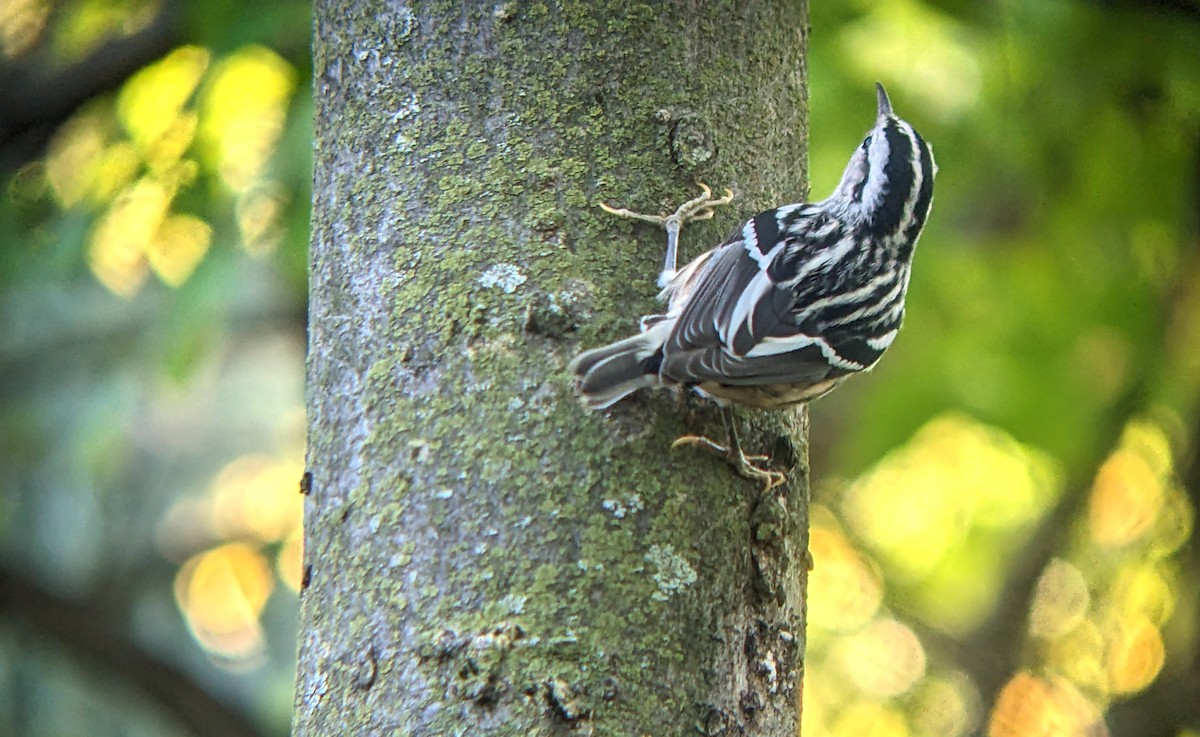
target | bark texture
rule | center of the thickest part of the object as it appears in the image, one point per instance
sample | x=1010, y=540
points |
x=483, y=555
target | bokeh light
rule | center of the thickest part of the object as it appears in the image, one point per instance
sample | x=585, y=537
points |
x=934, y=509
x=257, y=497
x=1095, y=618
x=153, y=105
x=21, y=23
x=121, y=237
x=1078, y=655
x=1135, y=655
x=222, y=592
x=1034, y=706
x=81, y=165
x=130, y=161
x=1125, y=500
x=244, y=104
x=944, y=705
x=883, y=659
x=251, y=514
x=177, y=247
x=845, y=590
x=1061, y=600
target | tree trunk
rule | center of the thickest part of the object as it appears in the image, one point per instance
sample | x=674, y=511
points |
x=483, y=555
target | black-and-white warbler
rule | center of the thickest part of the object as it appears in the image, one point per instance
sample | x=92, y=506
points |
x=794, y=301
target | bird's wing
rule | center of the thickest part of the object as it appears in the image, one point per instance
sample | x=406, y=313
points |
x=757, y=313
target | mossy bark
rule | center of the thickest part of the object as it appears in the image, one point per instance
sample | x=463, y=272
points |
x=483, y=555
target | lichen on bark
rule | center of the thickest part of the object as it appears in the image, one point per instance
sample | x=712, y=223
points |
x=469, y=570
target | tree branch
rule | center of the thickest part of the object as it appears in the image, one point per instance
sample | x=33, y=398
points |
x=994, y=648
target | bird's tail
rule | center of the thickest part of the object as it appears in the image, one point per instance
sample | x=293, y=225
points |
x=607, y=374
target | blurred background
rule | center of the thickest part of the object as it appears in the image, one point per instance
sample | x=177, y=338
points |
x=1003, y=511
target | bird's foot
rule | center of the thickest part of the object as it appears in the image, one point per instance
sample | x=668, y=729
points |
x=743, y=464
x=700, y=208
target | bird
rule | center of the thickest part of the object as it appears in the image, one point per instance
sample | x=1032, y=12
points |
x=797, y=299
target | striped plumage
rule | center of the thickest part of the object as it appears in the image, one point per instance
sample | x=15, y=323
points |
x=795, y=300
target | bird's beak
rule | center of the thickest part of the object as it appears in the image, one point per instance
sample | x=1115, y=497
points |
x=885, y=105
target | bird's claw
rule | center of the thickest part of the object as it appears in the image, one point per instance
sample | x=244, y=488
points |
x=700, y=208
x=743, y=464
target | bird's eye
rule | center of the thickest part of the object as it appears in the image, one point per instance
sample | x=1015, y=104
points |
x=866, y=143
